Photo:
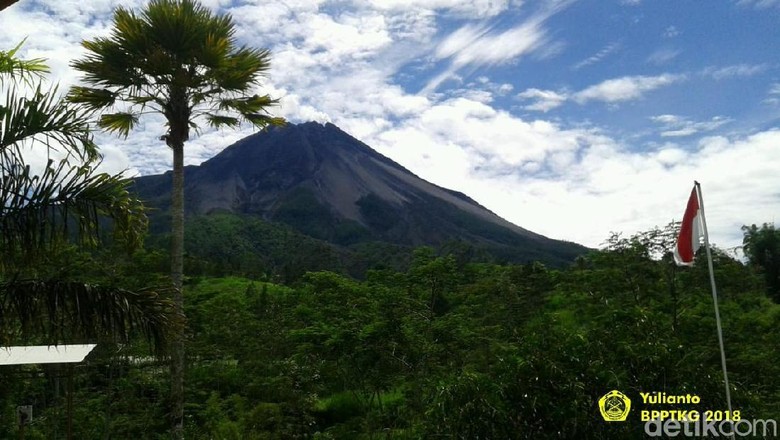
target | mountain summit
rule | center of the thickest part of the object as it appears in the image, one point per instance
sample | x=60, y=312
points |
x=327, y=184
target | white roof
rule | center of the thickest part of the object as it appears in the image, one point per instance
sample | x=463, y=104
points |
x=44, y=354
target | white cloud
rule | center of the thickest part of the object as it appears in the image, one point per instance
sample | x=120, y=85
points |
x=470, y=9
x=663, y=56
x=351, y=36
x=671, y=155
x=735, y=71
x=671, y=32
x=760, y=4
x=610, y=91
x=505, y=88
x=544, y=100
x=667, y=119
x=481, y=89
x=773, y=97
x=556, y=180
x=490, y=142
x=480, y=45
x=677, y=126
x=500, y=47
x=625, y=88
x=598, y=56
x=460, y=39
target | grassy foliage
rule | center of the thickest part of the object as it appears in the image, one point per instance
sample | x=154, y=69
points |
x=444, y=349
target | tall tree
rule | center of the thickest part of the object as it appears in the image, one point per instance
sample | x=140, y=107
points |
x=39, y=203
x=178, y=59
x=762, y=247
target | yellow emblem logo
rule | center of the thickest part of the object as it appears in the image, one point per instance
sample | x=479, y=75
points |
x=614, y=406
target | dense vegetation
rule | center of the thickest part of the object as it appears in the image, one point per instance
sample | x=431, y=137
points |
x=222, y=243
x=447, y=348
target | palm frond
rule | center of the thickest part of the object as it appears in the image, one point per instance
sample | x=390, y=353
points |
x=63, y=310
x=217, y=121
x=44, y=118
x=18, y=69
x=247, y=105
x=108, y=64
x=183, y=27
x=37, y=210
x=242, y=67
x=93, y=98
x=120, y=123
x=262, y=120
x=253, y=109
x=183, y=58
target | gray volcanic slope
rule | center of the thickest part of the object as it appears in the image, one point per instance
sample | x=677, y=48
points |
x=327, y=184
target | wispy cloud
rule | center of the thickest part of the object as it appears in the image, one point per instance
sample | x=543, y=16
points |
x=611, y=91
x=471, y=9
x=598, y=56
x=734, y=71
x=760, y=4
x=773, y=97
x=483, y=84
x=663, y=56
x=543, y=100
x=671, y=32
x=626, y=88
x=678, y=126
x=480, y=45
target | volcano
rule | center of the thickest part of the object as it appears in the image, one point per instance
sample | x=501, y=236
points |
x=330, y=186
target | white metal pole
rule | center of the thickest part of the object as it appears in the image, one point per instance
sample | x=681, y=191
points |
x=715, y=300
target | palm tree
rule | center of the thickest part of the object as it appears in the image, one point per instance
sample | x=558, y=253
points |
x=178, y=59
x=37, y=209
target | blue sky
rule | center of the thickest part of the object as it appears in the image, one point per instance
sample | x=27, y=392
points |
x=570, y=118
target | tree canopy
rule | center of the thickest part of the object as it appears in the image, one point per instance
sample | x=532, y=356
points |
x=178, y=59
x=762, y=248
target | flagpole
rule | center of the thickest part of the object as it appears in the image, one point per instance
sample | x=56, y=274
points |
x=714, y=298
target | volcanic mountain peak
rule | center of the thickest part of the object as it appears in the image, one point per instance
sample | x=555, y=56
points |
x=324, y=182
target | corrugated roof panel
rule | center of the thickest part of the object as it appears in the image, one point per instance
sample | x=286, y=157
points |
x=44, y=354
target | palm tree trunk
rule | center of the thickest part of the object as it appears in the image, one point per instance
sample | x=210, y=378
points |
x=177, y=275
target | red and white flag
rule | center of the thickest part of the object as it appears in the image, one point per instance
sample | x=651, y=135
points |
x=691, y=231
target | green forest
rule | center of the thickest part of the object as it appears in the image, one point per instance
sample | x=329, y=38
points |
x=447, y=348
x=244, y=329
